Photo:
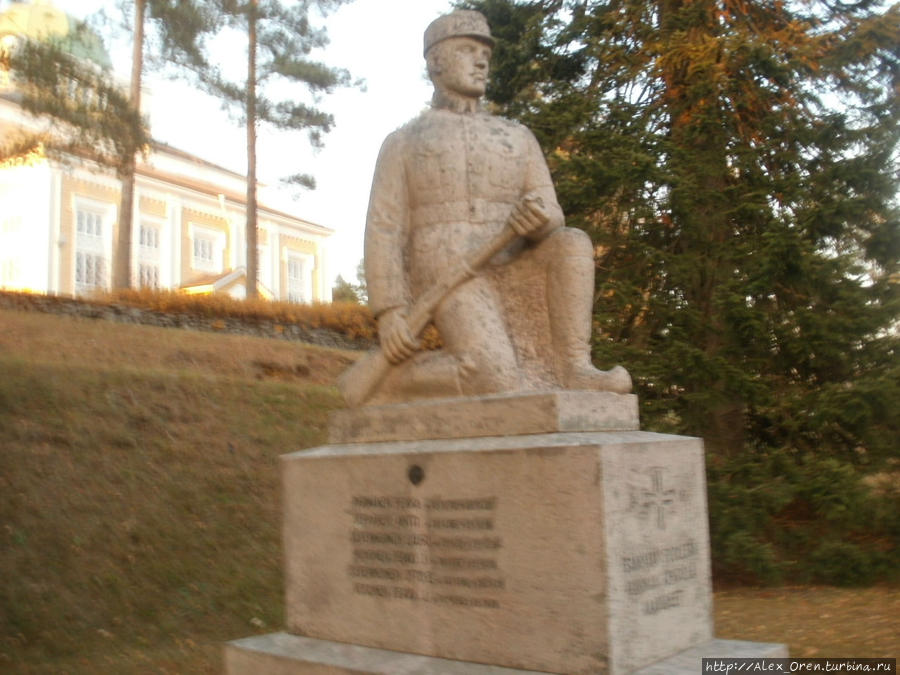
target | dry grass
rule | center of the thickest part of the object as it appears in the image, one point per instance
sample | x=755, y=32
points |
x=350, y=319
x=139, y=512
x=139, y=507
x=814, y=621
x=42, y=339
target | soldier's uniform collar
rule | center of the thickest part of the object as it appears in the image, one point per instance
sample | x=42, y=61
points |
x=458, y=104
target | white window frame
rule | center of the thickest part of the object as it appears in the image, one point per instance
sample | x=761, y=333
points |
x=90, y=223
x=149, y=234
x=305, y=291
x=91, y=271
x=148, y=276
x=215, y=264
x=93, y=244
x=151, y=237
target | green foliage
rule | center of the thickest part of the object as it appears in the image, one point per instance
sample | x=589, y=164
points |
x=735, y=165
x=778, y=516
x=180, y=28
x=362, y=288
x=357, y=292
x=285, y=39
x=91, y=117
x=344, y=291
x=842, y=563
x=303, y=180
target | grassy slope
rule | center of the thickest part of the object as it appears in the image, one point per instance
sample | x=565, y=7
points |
x=139, y=507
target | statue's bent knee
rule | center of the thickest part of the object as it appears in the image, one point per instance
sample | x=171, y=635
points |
x=570, y=241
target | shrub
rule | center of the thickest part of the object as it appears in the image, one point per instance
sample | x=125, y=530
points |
x=781, y=515
x=348, y=318
x=842, y=563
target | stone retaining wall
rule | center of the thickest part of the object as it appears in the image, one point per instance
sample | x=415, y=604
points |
x=118, y=313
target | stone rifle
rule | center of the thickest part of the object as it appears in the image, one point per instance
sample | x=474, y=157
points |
x=358, y=382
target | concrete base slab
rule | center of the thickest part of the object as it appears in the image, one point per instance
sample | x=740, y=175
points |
x=285, y=654
x=689, y=661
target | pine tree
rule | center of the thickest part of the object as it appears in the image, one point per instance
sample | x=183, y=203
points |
x=180, y=28
x=122, y=258
x=280, y=39
x=362, y=286
x=344, y=291
x=735, y=164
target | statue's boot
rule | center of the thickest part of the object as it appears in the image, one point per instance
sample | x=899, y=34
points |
x=570, y=299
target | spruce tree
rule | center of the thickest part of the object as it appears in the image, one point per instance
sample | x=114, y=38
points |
x=280, y=40
x=735, y=164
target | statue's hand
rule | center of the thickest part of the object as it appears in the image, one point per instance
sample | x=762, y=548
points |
x=528, y=216
x=397, y=341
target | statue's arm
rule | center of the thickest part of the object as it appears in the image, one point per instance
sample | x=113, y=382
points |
x=387, y=226
x=538, y=189
x=387, y=230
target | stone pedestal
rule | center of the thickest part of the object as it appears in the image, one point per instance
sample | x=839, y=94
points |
x=573, y=550
x=496, y=415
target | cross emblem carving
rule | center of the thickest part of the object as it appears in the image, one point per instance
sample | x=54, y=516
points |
x=657, y=498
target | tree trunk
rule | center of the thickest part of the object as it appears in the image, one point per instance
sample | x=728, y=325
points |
x=252, y=253
x=698, y=163
x=122, y=263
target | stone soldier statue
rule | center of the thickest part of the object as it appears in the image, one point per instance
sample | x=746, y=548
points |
x=444, y=185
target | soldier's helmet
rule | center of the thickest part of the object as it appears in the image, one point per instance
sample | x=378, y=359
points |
x=461, y=23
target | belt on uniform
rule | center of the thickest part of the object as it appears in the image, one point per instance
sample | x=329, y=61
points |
x=468, y=211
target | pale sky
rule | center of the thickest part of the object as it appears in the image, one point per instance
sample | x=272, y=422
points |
x=379, y=41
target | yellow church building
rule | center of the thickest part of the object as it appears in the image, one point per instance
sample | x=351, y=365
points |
x=59, y=220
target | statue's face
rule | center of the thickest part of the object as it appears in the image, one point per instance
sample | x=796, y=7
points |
x=463, y=66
